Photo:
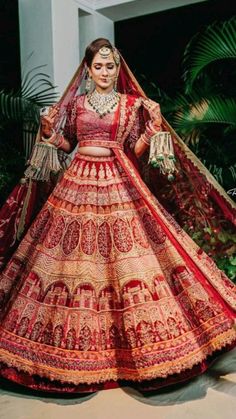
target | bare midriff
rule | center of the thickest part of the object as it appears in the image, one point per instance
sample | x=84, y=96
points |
x=95, y=151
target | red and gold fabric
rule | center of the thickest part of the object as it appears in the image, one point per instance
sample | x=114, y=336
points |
x=106, y=286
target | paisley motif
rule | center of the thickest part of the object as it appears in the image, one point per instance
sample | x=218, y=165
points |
x=71, y=237
x=153, y=230
x=104, y=240
x=38, y=228
x=139, y=233
x=88, y=238
x=122, y=236
x=55, y=233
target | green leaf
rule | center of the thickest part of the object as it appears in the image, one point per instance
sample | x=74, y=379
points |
x=233, y=260
x=23, y=105
x=216, y=42
x=210, y=110
x=223, y=237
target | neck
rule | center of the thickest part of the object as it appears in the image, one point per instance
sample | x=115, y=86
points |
x=104, y=91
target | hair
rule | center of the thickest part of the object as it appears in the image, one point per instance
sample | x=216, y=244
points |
x=93, y=48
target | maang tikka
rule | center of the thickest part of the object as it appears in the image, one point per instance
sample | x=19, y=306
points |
x=106, y=51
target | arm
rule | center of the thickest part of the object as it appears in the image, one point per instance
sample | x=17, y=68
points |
x=151, y=110
x=161, y=153
x=65, y=140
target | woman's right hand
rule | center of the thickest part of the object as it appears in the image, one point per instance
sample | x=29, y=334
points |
x=47, y=122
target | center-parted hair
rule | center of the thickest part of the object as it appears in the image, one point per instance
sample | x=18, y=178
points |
x=93, y=48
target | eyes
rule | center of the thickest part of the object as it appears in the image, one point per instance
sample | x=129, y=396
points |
x=108, y=66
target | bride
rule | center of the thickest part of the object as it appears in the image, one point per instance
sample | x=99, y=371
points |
x=106, y=287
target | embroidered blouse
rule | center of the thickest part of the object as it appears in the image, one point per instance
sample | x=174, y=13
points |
x=86, y=127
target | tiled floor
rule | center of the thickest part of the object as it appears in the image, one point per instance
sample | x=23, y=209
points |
x=211, y=396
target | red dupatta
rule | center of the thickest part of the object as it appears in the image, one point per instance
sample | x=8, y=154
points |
x=197, y=260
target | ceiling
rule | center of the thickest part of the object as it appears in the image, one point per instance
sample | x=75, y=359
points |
x=124, y=9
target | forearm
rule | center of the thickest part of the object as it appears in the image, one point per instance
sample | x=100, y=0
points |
x=143, y=143
x=58, y=140
x=140, y=147
x=65, y=145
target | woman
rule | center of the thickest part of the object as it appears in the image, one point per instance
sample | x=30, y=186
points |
x=105, y=286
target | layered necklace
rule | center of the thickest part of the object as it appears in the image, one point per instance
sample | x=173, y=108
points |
x=103, y=103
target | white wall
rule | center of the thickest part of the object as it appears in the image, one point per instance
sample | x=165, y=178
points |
x=92, y=26
x=53, y=31
x=65, y=34
x=57, y=31
x=35, y=21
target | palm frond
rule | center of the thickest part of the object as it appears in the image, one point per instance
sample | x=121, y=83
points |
x=23, y=105
x=217, y=42
x=210, y=110
x=16, y=108
x=35, y=85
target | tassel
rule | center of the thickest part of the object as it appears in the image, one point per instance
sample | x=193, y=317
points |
x=161, y=153
x=43, y=161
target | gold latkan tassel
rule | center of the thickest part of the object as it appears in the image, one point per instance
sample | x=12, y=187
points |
x=161, y=153
x=43, y=161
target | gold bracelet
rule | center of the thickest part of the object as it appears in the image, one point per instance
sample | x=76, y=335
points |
x=144, y=139
x=49, y=138
x=61, y=140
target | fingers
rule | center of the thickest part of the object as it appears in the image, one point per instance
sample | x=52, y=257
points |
x=47, y=125
x=48, y=120
x=50, y=113
x=53, y=111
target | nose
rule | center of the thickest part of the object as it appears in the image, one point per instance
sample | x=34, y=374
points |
x=104, y=71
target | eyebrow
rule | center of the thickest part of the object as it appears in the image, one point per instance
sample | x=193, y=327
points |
x=99, y=63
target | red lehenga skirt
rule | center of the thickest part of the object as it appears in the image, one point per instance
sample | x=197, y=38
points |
x=96, y=294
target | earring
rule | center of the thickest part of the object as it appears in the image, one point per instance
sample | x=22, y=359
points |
x=88, y=83
x=115, y=83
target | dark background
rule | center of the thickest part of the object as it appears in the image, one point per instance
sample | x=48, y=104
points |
x=154, y=44
x=9, y=45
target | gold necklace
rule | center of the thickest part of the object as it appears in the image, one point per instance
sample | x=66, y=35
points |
x=103, y=103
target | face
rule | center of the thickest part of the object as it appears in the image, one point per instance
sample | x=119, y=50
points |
x=103, y=72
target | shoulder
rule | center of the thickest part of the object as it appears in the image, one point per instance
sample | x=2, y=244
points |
x=75, y=103
x=150, y=105
x=79, y=99
x=131, y=100
x=140, y=101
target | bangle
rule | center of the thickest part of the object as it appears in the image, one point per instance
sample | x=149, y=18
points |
x=56, y=139
x=144, y=139
x=60, y=141
x=48, y=139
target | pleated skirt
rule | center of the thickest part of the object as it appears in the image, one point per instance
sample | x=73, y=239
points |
x=96, y=294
